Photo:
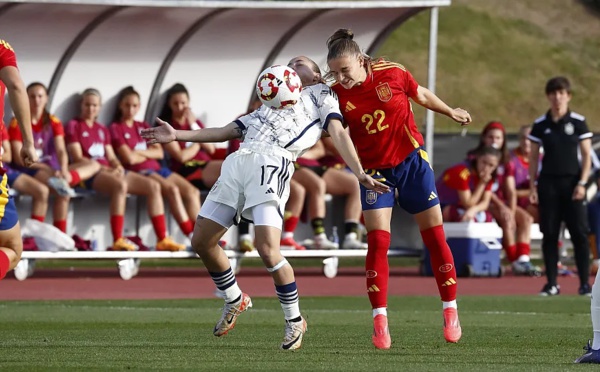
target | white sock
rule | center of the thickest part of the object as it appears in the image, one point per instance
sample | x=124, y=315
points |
x=380, y=311
x=246, y=237
x=595, y=311
x=287, y=235
x=351, y=236
x=447, y=304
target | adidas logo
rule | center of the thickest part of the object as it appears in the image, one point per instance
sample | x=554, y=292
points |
x=432, y=196
x=373, y=288
x=449, y=282
x=349, y=107
x=547, y=131
x=270, y=191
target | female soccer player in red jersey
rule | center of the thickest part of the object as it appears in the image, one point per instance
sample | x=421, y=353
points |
x=514, y=220
x=133, y=152
x=465, y=189
x=374, y=99
x=53, y=168
x=89, y=139
x=11, y=244
x=192, y=160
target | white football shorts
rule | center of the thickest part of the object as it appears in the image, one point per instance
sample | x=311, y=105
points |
x=249, y=179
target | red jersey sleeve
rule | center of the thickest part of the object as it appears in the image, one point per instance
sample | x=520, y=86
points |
x=510, y=168
x=71, y=135
x=14, y=132
x=57, y=126
x=7, y=55
x=458, y=177
x=410, y=84
x=116, y=135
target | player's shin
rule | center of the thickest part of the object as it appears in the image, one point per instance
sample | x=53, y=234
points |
x=227, y=284
x=442, y=262
x=4, y=264
x=377, y=267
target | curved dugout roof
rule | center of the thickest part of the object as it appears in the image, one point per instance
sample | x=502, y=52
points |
x=215, y=48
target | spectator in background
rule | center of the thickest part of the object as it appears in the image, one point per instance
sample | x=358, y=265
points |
x=520, y=158
x=514, y=220
x=192, y=160
x=340, y=181
x=465, y=189
x=560, y=189
x=88, y=139
x=24, y=183
x=131, y=148
x=53, y=168
x=308, y=174
x=291, y=216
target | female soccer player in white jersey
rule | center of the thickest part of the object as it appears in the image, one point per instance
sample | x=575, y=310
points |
x=254, y=183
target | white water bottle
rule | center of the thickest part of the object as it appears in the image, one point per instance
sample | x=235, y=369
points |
x=94, y=241
x=334, y=236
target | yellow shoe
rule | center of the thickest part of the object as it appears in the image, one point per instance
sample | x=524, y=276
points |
x=124, y=244
x=167, y=244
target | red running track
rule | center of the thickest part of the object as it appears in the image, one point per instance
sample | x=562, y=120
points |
x=185, y=283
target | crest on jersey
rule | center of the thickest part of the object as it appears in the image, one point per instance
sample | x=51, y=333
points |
x=384, y=92
x=371, y=197
x=569, y=129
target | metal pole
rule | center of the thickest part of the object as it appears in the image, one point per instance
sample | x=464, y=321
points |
x=429, y=118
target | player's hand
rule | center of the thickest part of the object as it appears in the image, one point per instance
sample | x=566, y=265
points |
x=579, y=192
x=28, y=154
x=118, y=170
x=461, y=116
x=469, y=215
x=533, y=196
x=190, y=115
x=162, y=133
x=368, y=182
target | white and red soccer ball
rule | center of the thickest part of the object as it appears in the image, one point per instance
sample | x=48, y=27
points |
x=278, y=87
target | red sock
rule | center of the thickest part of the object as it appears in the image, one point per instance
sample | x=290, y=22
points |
x=75, y=178
x=290, y=223
x=116, y=226
x=187, y=227
x=38, y=218
x=160, y=226
x=523, y=249
x=4, y=264
x=377, y=267
x=442, y=262
x=61, y=225
x=511, y=252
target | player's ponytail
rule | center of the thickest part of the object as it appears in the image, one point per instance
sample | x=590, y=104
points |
x=341, y=44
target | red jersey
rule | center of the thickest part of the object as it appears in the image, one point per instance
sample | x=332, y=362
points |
x=92, y=139
x=7, y=58
x=379, y=115
x=201, y=155
x=122, y=134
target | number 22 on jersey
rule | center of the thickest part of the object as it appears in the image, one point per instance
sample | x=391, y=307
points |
x=375, y=123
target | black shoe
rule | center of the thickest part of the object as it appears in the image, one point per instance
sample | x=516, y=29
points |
x=585, y=290
x=550, y=290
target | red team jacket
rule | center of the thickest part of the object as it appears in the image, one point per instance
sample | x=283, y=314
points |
x=379, y=115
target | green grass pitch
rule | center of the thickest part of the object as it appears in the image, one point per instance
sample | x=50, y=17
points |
x=499, y=334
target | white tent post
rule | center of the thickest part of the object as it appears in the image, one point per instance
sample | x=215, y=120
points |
x=429, y=118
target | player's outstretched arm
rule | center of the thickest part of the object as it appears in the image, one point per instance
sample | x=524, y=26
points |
x=165, y=133
x=428, y=99
x=345, y=147
x=20, y=105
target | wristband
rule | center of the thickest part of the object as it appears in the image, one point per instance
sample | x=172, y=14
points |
x=582, y=183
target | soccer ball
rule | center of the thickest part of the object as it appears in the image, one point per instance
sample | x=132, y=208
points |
x=278, y=87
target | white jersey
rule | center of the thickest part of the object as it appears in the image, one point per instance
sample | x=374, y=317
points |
x=290, y=132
